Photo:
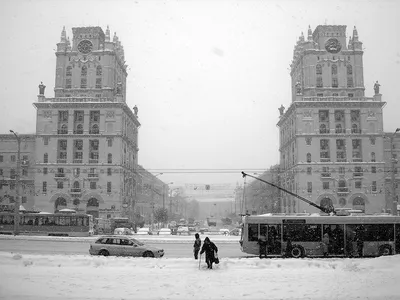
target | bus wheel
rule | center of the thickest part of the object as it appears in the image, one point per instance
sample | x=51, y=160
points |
x=385, y=250
x=296, y=251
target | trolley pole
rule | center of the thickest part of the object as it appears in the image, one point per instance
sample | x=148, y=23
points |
x=393, y=161
x=17, y=202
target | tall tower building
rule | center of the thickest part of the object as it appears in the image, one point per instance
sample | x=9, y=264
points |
x=87, y=136
x=331, y=136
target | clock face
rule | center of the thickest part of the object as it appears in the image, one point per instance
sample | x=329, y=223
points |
x=85, y=46
x=333, y=45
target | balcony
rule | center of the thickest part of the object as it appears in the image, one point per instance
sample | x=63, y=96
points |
x=75, y=192
x=358, y=174
x=342, y=190
x=77, y=161
x=93, y=176
x=341, y=159
x=59, y=175
x=357, y=159
x=93, y=161
x=61, y=161
x=326, y=175
x=325, y=159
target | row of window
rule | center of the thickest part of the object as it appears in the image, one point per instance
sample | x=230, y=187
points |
x=79, y=116
x=335, y=83
x=24, y=199
x=358, y=171
x=342, y=188
x=76, y=172
x=13, y=158
x=13, y=173
x=334, y=69
x=43, y=220
x=84, y=69
x=339, y=115
x=76, y=187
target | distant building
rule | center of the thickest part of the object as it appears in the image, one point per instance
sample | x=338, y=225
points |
x=8, y=171
x=392, y=155
x=331, y=136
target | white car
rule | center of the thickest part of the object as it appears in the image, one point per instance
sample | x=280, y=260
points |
x=144, y=231
x=183, y=230
x=164, y=231
x=224, y=231
x=122, y=231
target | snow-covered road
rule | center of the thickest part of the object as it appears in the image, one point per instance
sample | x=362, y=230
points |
x=85, y=277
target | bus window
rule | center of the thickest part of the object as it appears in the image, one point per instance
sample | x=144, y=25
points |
x=302, y=232
x=253, y=232
x=397, y=245
x=263, y=229
x=379, y=232
x=336, y=237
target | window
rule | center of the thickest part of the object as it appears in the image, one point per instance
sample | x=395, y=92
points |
x=308, y=157
x=323, y=129
x=69, y=71
x=109, y=142
x=60, y=184
x=84, y=71
x=309, y=187
x=354, y=128
x=24, y=172
x=68, y=84
x=373, y=169
x=334, y=69
x=319, y=82
x=44, y=187
x=95, y=116
x=350, y=83
x=372, y=140
x=98, y=71
x=46, y=141
x=302, y=232
x=309, y=170
x=342, y=170
x=319, y=69
x=373, y=187
x=320, y=95
x=308, y=141
x=335, y=83
x=350, y=95
x=109, y=159
x=1, y=158
x=339, y=128
x=325, y=185
x=45, y=158
x=79, y=129
x=349, y=70
x=335, y=95
x=24, y=199
x=373, y=157
x=45, y=171
x=77, y=172
x=94, y=129
x=109, y=187
x=98, y=83
x=358, y=184
x=92, y=185
x=109, y=172
x=83, y=83
x=13, y=158
x=1, y=172
x=358, y=171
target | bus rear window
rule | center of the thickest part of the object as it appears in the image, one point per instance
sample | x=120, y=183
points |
x=302, y=232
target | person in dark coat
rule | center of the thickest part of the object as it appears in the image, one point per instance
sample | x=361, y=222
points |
x=262, y=242
x=196, y=246
x=209, y=248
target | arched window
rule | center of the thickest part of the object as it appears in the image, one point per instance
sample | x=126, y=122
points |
x=79, y=129
x=322, y=128
x=45, y=158
x=109, y=159
x=349, y=70
x=338, y=128
x=354, y=128
x=93, y=202
x=76, y=185
x=99, y=71
x=319, y=69
x=342, y=202
x=69, y=71
x=95, y=129
x=334, y=69
x=373, y=159
x=84, y=71
x=308, y=157
x=64, y=129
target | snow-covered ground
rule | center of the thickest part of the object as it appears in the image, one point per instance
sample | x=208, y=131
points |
x=85, y=277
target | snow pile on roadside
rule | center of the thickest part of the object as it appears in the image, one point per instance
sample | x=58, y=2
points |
x=87, y=277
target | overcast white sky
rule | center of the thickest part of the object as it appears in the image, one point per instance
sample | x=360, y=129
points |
x=207, y=76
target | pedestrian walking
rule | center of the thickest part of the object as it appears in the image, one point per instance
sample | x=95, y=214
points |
x=196, y=246
x=325, y=244
x=209, y=248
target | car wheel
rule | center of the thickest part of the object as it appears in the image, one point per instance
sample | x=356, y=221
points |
x=296, y=251
x=104, y=253
x=385, y=250
x=148, y=254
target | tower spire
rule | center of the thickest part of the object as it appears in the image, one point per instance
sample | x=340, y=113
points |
x=63, y=35
x=107, y=34
x=355, y=34
x=302, y=37
x=309, y=33
x=115, y=38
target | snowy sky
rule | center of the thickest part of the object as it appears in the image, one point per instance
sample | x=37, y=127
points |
x=31, y=277
x=207, y=76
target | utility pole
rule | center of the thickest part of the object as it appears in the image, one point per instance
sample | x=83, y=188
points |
x=17, y=202
x=393, y=161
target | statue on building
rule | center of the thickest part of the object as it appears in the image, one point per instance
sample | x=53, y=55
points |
x=281, y=110
x=376, y=87
x=135, y=109
x=119, y=88
x=42, y=87
x=298, y=88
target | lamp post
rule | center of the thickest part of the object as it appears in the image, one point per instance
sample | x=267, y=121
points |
x=393, y=160
x=17, y=202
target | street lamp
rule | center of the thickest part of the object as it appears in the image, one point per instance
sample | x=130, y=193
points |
x=393, y=160
x=16, y=209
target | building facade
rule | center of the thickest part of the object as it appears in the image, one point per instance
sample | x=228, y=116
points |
x=8, y=171
x=86, y=148
x=391, y=175
x=331, y=136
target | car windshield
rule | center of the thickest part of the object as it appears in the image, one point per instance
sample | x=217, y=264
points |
x=137, y=242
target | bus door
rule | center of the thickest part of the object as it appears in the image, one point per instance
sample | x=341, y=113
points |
x=274, y=239
x=336, y=238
